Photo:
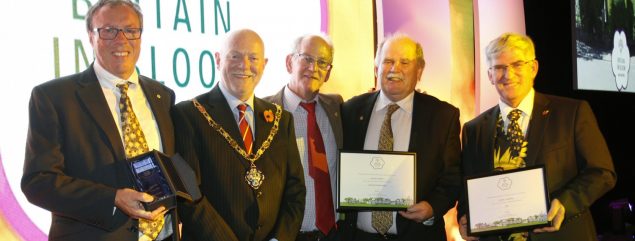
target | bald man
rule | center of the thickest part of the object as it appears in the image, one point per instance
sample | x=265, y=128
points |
x=243, y=151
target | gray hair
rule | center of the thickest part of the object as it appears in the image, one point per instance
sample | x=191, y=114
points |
x=102, y=3
x=510, y=42
x=419, y=50
x=298, y=41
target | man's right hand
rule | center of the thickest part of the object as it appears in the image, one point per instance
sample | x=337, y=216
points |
x=463, y=229
x=129, y=201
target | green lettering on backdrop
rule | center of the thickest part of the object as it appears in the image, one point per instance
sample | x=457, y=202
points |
x=187, y=65
x=56, y=56
x=76, y=14
x=185, y=20
x=200, y=68
x=217, y=11
x=158, y=14
x=79, y=48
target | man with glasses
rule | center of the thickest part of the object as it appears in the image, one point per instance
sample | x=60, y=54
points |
x=80, y=137
x=314, y=113
x=398, y=118
x=557, y=132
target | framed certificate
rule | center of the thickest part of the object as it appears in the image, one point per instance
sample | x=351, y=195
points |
x=507, y=201
x=376, y=180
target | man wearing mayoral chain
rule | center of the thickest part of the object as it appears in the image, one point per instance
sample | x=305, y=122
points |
x=243, y=151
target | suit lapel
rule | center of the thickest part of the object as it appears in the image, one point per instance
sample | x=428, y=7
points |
x=487, y=137
x=161, y=115
x=263, y=128
x=418, y=119
x=92, y=98
x=363, y=119
x=332, y=110
x=537, y=126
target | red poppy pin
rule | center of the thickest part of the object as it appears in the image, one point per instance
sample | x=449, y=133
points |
x=268, y=114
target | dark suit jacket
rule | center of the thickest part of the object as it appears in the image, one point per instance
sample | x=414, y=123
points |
x=564, y=136
x=230, y=209
x=434, y=137
x=75, y=158
x=331, y=104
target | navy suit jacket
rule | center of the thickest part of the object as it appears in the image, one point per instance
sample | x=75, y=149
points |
x=75, y=159
x=230, y=209
x=564, y=136
x=434, y=137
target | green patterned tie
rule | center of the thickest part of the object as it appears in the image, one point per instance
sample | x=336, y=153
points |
x=382, y=220
x=135, y=144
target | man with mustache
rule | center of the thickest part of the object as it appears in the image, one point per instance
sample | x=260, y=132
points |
x=243, y=151
x=417, y=123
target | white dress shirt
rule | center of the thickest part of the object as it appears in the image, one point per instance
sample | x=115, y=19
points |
x=401, y=121
x=234, y=102
x=143, y=112
x=291, y=103
x=526, y=106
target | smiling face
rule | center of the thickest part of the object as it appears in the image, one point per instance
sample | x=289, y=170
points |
x=307, y=78
x=118, y=56
x=398, y=68
x=513, y=83
x=241, y=63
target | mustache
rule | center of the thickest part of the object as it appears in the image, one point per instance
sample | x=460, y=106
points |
x=394, y=76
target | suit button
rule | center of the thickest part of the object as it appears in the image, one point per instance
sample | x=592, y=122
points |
x=259, y=227
x=259, y=194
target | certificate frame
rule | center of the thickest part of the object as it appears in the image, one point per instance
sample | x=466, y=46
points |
x=376, y=180
x=507, y=201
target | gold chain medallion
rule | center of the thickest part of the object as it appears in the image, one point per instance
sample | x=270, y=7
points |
x=253, y=176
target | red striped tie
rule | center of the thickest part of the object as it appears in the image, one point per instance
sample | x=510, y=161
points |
x=245, y=131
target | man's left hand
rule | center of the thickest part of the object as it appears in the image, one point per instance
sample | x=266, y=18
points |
x=418, y=212
x=555, y=215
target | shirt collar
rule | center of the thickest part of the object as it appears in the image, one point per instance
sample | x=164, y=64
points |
x=109, y=80
x=405, y=103
x=292, y=100
x=526, y=105
x=232, y=100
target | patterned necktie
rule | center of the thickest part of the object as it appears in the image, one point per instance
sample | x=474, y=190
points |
x=382, y=220
x=319, y=171
x=135, y=144
x=514, y=133
x=515, y=137
x=245, y=131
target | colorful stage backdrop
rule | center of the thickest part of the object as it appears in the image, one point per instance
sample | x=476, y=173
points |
x=46, y=40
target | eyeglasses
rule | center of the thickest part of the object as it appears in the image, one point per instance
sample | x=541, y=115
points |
x=310, y=60
x=501, y=69
x=110, y=33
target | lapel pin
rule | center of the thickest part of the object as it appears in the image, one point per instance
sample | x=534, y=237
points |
x=158, y=96
x=545, y=112
x=361, y=118
x=335, y=114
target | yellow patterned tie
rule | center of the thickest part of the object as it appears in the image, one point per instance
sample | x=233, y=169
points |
x=382, y=220
x=135, y=144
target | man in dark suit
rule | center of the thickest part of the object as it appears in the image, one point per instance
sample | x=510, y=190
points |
x=421, y=124
x=309, y=65
x=557, y=132
x=243, y=151
x=75, y=155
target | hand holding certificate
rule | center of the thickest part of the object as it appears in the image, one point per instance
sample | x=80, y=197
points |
x=373, y=180
x=507, y=201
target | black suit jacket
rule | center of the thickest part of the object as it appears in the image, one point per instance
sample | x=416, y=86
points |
x=230, y=209
x=75, y=158
x=564, y=136
x=434, y=137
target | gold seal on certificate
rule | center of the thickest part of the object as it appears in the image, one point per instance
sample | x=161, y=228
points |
x=507, y=201
x=376, y=180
